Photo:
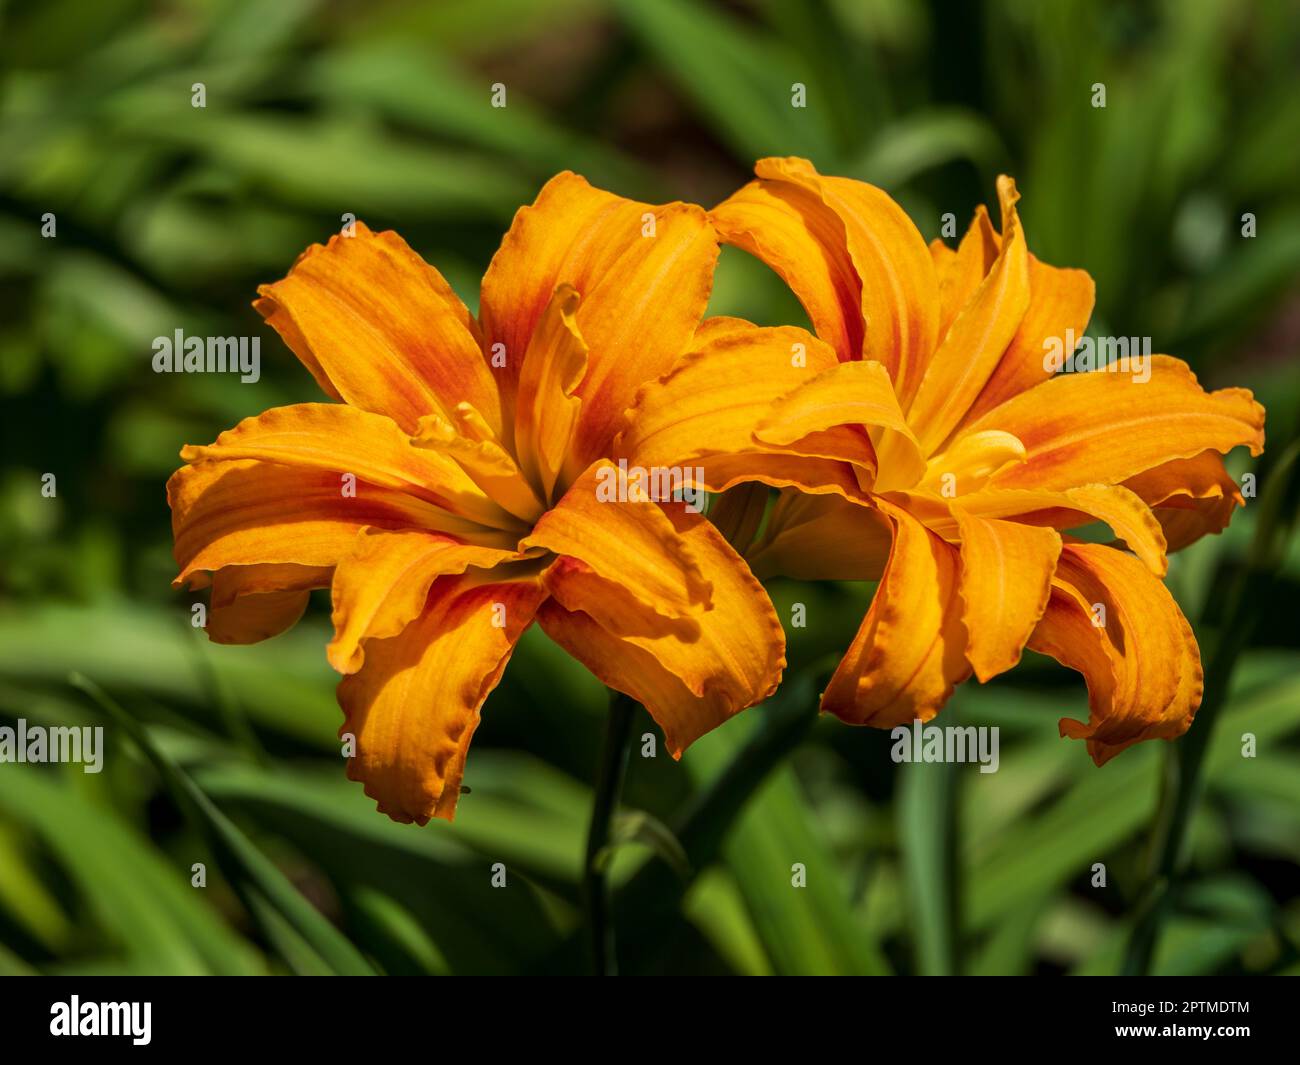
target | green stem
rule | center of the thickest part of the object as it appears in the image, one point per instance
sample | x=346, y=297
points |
x=650, y=902
x=1182, y=784
x=609, y=782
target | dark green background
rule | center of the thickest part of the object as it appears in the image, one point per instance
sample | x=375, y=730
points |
x=169, y=216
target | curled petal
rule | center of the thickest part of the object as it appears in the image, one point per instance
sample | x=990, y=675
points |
x=576, y=586
x=482, y=458
x=380, y=328
x=967, y=466
x=849, y=395
x=790, y=229
x=643, y=273
x=609, y=522
x=899, y=290
x=1107, y=426
x=960, y=272
x=693, y=679
x=1190, y=498
x=413, y=707
x=1115, y=623
x=381, y=584
x=251, y=618
x=1060, y=305
x=245, y=512
x=252, y=603
x=547, y=407
x=818, y=476
x=1130, y=519
x=909, y=653
x=368, y=447
x=705, y=409
x=572, y=233
x=1006, y=578
x=978, y=336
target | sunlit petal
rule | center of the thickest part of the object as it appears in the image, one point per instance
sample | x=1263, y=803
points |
x=380, y=328
x=1115, y=623
x=413, y=707
x=909, y=652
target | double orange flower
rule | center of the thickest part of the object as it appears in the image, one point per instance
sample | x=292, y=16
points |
x=454, y=493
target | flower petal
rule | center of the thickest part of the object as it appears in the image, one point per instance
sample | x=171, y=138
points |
x=972, y=460
x=576, y=586
x=547, y=407
x=778, y=470
x=791, y=230
x=960, y=272
x=252, y=603
x=899, y=289
x=370, y=447
x=689, y=685
x=1190, y=498
x=909, y=653
x=1060, y=305
x=414, y=705
x=251, y=618
x=625, y=538
x=381, y=585
x=643, y=272
x=1006, y=578
x=245, y=512
x=1142, y=665
x=705, y=409
x=978, y=337
x=382, y=327
x=1105, y=426
x=849, y=394
x=1129, y=518
x=475, y=449
x=572, y=233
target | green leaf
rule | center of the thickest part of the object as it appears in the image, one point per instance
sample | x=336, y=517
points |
x=747, y=808
x=739, y=80
x=144, y=905
x=422, y=899
x=810, y=929
x=927, y=819
x=334, y=164
x=416, y=88
x=283, y=684
x=924, y=140
x=1009, y=946
x=717, y=909
x=1043, y=853
x=253, y=875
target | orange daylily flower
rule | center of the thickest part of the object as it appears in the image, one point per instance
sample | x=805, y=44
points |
x=920, y=439
x=448, y=498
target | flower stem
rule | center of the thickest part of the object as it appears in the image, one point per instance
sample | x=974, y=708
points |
x=609, y=782
x=649, y=902
x=1182, y=784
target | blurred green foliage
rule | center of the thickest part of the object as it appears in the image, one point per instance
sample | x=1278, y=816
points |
x=168, y=216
